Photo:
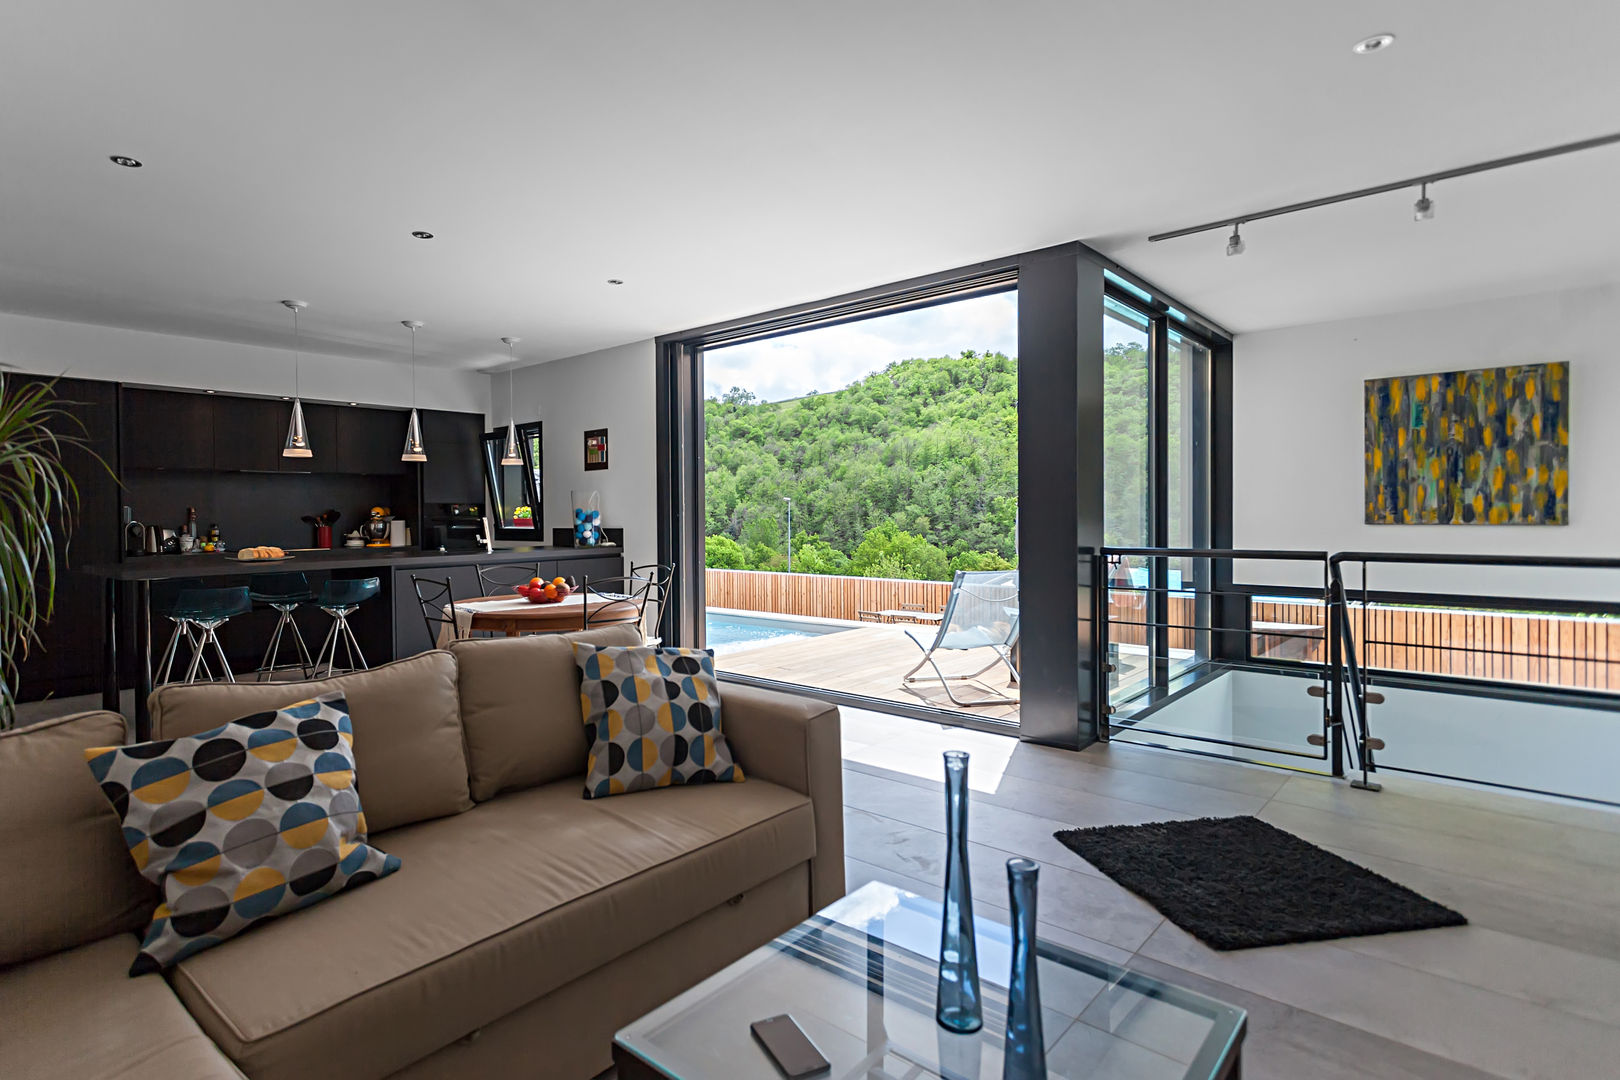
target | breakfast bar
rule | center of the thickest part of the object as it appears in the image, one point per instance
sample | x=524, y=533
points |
x=395, y=631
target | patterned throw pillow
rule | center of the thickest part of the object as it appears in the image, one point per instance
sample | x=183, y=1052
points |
x=652, y=719
x=248, y=821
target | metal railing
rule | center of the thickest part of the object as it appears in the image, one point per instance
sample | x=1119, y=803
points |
x=1161, y=639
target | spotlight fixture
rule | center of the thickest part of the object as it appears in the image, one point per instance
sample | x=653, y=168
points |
x=126, y=162
x=1423, y=209
x=422, y=234
x=413, y=428
x=297, y=444
x=1234, y=243
x=210, y=391
x=615, y=281
x=509, y=452
x=1369, y=45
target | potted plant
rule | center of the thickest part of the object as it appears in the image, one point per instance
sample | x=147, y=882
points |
x=37, y=498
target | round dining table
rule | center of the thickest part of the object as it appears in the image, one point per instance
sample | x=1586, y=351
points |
x=515, y=615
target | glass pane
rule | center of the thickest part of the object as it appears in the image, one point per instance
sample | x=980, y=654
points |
x=850, y=472
x=1126, y=434
x=1187, y=458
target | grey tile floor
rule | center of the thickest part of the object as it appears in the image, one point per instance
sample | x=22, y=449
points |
x=1531, y=988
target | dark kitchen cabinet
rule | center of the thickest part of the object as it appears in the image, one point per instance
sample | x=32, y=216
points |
x=163, y=429
x=454, y=472
x=369, y=441
x=248, y=433
x=321, y=423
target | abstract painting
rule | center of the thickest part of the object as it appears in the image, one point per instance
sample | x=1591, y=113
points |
x=1486, y=447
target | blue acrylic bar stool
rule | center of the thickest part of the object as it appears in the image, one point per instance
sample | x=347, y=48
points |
x=284, y=593
x=166, y=604
x=339, y=598
x=208, y=610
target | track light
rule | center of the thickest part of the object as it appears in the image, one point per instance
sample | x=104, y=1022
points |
x=1423, y=209
x=1234, y=243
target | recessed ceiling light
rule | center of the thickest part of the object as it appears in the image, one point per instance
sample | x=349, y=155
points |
x=126, y=162
x=208, y=391
x=1376, y=43
x=354, y=403
x=615, y=281
x=422, y=234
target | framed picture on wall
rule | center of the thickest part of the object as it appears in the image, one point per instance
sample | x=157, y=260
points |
x=596, y=449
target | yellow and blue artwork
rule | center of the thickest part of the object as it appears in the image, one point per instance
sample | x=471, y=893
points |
x=1487, y=447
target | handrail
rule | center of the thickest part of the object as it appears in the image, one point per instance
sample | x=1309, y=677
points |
x=1256, y=554
x=1553, y=562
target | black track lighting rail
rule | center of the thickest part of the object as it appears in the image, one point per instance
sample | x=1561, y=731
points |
x=1396, y=185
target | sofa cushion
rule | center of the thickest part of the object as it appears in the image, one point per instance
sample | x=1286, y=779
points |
x=520, y=707
x=67, y=879
x=247, y=821
x=407, y=730
x=652, y=719
x=76, y=1014
x=498, y=906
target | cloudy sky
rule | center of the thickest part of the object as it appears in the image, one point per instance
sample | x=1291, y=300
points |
x=832, y=358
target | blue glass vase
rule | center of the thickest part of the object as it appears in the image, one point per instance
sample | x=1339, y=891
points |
x=1025, y=1055
x=957, y=1006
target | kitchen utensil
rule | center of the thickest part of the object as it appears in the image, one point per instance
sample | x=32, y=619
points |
x=188, y=543
x=323, y=536
x=168, y=541
x=134, y=538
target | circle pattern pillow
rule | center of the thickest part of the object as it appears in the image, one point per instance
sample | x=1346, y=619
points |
x=652, y=719
x=248, y=821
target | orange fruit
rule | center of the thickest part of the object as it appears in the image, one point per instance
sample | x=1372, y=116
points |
x=551, y=592
x=559, y=582
x=535, y=581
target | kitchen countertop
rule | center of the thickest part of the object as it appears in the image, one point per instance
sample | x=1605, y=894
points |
x=205, y=565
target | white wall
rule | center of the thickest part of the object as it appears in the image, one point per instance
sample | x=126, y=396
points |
x=614, y=389
x=88, y=351
x=1298, y=432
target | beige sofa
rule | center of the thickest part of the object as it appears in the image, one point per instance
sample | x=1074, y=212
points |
x=525, y=925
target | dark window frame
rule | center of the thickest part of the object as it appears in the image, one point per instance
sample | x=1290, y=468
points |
x=1060, y=344
x=531, y=445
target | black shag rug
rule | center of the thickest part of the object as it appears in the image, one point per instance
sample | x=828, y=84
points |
x=1238, y=883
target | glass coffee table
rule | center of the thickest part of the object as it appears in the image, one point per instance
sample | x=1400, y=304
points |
x=859, y=978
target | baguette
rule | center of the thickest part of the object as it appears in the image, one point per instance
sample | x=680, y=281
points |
x=262, y=552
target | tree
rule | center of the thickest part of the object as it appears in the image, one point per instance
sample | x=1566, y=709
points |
x=888, y=551
x=979, y=560
x=723, y=553
x=813, y=555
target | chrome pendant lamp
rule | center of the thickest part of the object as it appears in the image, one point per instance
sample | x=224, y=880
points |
x=509, y=453
x=297, y=444
x=413, y=431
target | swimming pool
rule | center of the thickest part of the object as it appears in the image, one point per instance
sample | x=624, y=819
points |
x=729, y=631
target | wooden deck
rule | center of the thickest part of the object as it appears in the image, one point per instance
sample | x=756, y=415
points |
x=870, y=660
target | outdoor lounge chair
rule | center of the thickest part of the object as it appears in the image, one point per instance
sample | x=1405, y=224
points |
x=982, y=613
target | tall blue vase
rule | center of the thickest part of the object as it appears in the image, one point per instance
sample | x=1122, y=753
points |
x=957, y=1006
x=1025, y=1055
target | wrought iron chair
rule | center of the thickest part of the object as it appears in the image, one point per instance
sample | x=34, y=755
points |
x=497, y=580
x=659, y=577
x=625, y=593
x=438, y=608
x=982, y=613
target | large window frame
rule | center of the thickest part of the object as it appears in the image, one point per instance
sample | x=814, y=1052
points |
x=1060, y=356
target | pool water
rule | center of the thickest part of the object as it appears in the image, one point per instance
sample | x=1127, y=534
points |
x=727, y=633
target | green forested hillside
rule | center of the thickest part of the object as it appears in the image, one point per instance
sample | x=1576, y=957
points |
x=910, y=472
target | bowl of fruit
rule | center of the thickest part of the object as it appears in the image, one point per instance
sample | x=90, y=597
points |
x=541, y=591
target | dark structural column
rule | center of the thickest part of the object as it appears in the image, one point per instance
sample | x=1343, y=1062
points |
x=1060, y=493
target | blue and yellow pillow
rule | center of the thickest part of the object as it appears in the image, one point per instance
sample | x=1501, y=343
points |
x=248, y=821
x=652, y=719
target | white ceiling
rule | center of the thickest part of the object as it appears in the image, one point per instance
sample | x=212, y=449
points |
x=725, y=158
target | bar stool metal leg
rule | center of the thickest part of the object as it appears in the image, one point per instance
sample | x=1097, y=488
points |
x=272, y=652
